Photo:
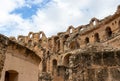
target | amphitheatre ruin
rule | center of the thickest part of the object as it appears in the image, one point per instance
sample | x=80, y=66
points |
x=85, y=53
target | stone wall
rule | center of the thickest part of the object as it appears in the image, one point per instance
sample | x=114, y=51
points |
x=17, y=62
x=96, y=66
x=3, y=48
x=55, y=52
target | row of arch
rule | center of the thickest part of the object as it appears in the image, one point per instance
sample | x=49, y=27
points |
x=65, y=62
x=74, y=44
x=108, y=33
x=41, y=34
x=93, y=22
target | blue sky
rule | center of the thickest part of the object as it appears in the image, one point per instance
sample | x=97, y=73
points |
x=28, y=10
x=51, y=16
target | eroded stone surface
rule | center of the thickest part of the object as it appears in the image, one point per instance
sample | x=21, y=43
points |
x=3, y=48
x=85, y=53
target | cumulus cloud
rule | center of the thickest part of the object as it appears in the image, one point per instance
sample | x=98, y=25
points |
x=52, y=16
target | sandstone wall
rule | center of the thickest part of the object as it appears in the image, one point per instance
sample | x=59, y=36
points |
x=21, y=64
x=99, y=66
x=55, y=51
x=26, y=70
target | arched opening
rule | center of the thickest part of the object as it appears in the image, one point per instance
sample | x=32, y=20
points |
x=56, y=44
x=81, y=29
x=64, y=42
x=96, y=37
x=54, y=63
x=29, y=43
x=86, y=40
x=11, y=75
x=71, y=31
x=74, y=45
x=20, y=39
x=50, y=43
x=30, y=35
x=66, y=36
x=94, y=23
x=108, y=32
x=66, y=60
x=40, y=36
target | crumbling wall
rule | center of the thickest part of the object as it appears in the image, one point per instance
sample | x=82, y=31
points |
x=88, y=66
x=96, y=66
x=3, y=47
x=2, y=59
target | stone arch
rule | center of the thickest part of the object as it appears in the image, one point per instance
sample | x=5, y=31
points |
x=80, y=28
x=50, y=43
x=96, y=37
x=87, y=40
x=54, y=66
x=56, y=44
x=66, y=37
x=64, y=41
x=70, y=29
x=74, y=45
x=66, y=59
x=108, y=32
x=20, y=38
x=29, y=43
x=30, y=35
x=41, y=34
x=55, y=62
x=11, y=75
x=94, y=21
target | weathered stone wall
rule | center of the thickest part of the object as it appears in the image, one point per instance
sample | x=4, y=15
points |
x=26, y=68
x=98, y=66
x=17, y=59
x=3, y=48
x=55, y=51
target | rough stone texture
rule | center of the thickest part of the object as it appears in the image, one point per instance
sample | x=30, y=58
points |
x=3, y=47
x=17, y=63
x=85, y=53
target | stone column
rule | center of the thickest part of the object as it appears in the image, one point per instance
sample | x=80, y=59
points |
x=52, y=49
x=71, y=64
x=61, y=45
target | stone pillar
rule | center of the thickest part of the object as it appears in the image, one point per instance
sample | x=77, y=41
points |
x=71, y=64
x=48, y=64
x=61, y=45
x=52, y=49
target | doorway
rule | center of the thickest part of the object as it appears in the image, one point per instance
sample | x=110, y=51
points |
x=11, y=75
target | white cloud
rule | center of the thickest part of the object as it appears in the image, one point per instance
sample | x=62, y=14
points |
x=55, y=17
